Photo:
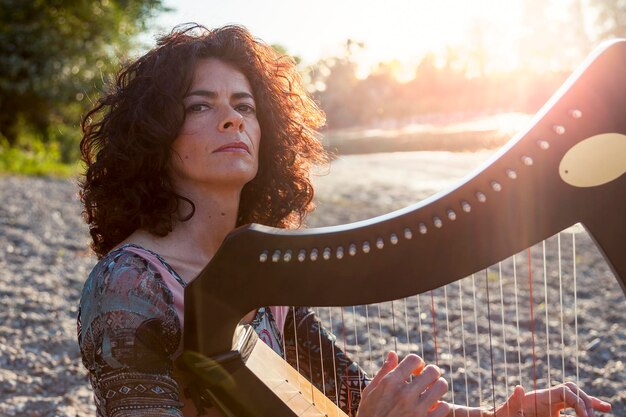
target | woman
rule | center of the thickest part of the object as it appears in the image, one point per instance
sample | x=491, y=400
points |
x=208, y=131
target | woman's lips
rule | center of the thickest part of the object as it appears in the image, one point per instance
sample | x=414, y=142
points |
x=233, y=147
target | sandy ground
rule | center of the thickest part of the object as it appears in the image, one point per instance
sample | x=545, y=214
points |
x=43, y=264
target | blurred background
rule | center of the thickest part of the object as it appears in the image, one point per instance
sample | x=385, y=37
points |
x=445, y=82
x=391, y=75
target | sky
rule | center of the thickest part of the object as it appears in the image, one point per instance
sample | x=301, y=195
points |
x=402, y=30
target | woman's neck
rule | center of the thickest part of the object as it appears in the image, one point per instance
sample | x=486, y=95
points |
x=193, y=242
x=214, y=216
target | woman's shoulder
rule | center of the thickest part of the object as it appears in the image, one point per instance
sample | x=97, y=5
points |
x=130, y=265
x=129, y=326
x=133, y=279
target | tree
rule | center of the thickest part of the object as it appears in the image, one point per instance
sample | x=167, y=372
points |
x=540, y=40
x=333, y=82
x=611, y=20
x=53, y=55
x=282, y=50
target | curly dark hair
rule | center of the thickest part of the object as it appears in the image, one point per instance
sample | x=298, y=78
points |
x=127, y=136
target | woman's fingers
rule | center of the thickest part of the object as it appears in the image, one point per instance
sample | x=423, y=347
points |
x=569, y=395
x=600, y=405
x=573, y=400
x=431, y=396
x=390, y=364
x=425, y=389
x=513, y=404
x=422, y=391
x=591, y=403
x=429, y=375
x=582, y=396
x=394, y=392
x=410, y=365
x=441, y=409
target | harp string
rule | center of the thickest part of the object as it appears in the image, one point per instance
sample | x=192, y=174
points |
x=432, y=313
x=330, y=319
x=532, y=322
x=520, y=307
x=560, y=273
x=478, y=369
x=356, y=341
x=380, y=328
x=308, y=342
x=575, y=308
x=504, y=341
x=393, y=327
x=321, y=359
x=465, y=369
x=445, y=297
x=295, y=336
x=519, y=348
x=369, y=336
x=406, y=325
x=419, y=325
x=545, y=284
x=489, y=331
x=345, y=349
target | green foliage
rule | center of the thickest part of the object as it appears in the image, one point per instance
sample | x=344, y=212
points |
x=282, y=50
x=53, y=57
x=41, y=159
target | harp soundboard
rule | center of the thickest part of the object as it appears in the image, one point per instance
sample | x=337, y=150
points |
x=566, y=168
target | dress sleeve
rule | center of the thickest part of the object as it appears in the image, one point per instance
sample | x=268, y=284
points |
x=321, y=361
x=128, y=332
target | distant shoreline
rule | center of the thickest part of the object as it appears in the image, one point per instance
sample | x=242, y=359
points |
x=451, y=133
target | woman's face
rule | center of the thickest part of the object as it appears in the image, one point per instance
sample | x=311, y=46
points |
x=218, y=144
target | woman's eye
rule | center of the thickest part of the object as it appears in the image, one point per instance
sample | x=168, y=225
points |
x=194, y=108
x=245, y=108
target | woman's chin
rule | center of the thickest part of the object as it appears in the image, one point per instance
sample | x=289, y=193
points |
x=233, y=179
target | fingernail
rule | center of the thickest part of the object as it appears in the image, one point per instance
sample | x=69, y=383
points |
x=389, y=355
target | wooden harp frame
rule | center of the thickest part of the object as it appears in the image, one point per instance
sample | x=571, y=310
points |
x=521, y=197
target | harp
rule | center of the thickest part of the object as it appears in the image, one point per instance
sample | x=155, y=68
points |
x=566, y=168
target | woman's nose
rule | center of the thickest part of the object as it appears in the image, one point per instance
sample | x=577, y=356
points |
x=232, y=120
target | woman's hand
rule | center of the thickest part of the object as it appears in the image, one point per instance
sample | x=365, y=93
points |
x=550, y=402
x=392, y=392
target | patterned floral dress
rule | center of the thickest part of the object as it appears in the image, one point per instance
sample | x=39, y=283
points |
x=130, y=325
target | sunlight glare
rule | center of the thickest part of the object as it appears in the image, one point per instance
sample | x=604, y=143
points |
x=486, y=35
